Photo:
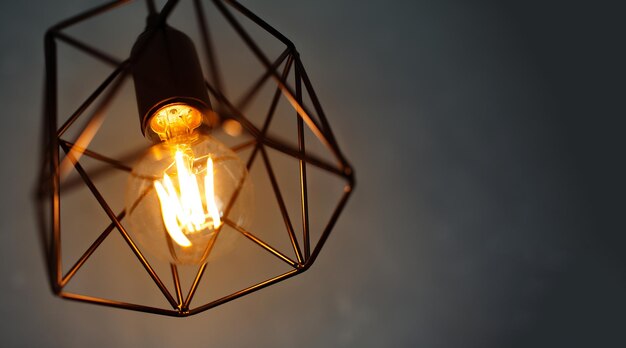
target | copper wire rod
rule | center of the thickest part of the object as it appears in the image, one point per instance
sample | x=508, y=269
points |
x=147, y=266
x=115, y=163
x=42, y=195
x=175, y=277
x=276, y=98
x=245, y=291
x=237, y=115
x=43, y=177
x=247, y=97
x=318, y=107
x=273, y=143
x=96, y=172
x=275, y=187
x=211, y=244
x=94, y=123
x=118, y=304
x=246, y=38
x=229, y=206
x=208, y=46
x=161, y=17
x=330, y=225
x=280, y=146
x=44, y=240
x=91, y=98
x=304, y=199
x=72, y=182
x=79, y=263
x=87, y=14
x=260, y=22
x=301, y=109
x=121, y=229
x=309, y=158
x=200, y=273
x=270, y=114
x=333, y=146
x=261, y=243
x=55, y=268
x=170, y=245
x=88, y=49
x=281, y=205
x=143, y=195
x=243, y=146
x=194, y=286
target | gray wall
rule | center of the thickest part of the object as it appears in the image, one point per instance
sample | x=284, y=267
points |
x=488, y=144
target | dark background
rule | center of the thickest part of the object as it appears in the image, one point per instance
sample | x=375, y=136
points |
x=488, y=143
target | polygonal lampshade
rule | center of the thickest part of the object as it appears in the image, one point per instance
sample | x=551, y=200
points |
x=264, y=109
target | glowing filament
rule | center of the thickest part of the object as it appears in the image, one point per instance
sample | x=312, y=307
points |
x=210, y=194
x=182, y=209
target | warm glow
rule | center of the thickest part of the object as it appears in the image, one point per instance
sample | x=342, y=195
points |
x=175, y=120
x=182, y=209
x=232, y=127
x=210, y=194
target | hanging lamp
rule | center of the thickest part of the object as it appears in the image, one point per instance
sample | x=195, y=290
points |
x=188, y=191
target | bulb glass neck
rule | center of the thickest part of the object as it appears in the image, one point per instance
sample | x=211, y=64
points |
x=175, y=121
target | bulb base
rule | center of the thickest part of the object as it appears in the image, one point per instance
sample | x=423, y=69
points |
x=166, y=70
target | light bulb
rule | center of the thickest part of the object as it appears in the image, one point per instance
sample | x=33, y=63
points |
x=184, y=190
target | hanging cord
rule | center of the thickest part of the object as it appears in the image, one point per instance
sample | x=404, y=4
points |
x=151, y=7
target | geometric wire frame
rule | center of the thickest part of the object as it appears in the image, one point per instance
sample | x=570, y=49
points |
x=49, y=191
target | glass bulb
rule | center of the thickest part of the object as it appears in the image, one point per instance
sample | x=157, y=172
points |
x=183, y=192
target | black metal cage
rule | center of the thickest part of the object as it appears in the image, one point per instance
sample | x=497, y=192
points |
x=57, y=148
